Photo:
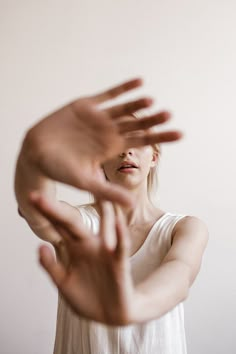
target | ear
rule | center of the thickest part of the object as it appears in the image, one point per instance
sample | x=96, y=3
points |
x=154, y=159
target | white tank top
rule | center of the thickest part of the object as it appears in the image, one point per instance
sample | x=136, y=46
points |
x=166, y=335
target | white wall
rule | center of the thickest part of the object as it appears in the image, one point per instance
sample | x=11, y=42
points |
x=53, y=51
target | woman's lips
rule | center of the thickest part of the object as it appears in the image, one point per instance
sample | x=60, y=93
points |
x=127, y=169
x=127, y=164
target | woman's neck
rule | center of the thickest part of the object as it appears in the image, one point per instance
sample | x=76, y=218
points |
x=143, y=212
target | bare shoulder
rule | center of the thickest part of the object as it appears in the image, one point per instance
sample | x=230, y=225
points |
x=190, y=222
x=191, y=226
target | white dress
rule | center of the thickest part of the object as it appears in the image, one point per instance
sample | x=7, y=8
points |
x=166, y=335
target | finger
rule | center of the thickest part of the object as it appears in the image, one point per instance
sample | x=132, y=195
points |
x=122, y=234
x=60, y=215
x=108, y=191
x=130, y=107
x=107, y=225
x=117, y=90
x=144, y=123
x=55, y=269
x=150, y=139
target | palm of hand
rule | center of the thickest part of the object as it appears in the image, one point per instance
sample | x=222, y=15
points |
x=103, y=139
x=98, y=283
x=70, y=145
x=95, y=280
x=79, y=135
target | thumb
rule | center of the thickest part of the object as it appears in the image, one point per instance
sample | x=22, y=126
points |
x=55, y=269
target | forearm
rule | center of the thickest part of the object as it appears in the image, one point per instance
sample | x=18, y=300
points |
x=27, y=179
x=161, y=292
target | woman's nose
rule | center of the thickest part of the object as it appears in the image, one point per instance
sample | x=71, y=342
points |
x=124, y=153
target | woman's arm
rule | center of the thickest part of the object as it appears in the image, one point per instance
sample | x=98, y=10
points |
x=70, y=145
x=28, y=179
x=170, y=283
x=98, y=284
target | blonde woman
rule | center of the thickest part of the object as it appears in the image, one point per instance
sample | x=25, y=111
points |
x=122, y=272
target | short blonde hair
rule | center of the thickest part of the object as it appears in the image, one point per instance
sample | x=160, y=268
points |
x=152, y=178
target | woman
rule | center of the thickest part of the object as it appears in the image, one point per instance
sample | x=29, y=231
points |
x=127, y=282
x=124, y=272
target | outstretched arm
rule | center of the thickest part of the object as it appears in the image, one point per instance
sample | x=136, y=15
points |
x=170, y=283
x=70, y=145
x=120, y=302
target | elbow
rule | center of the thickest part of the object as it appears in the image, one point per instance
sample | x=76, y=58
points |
x=183, y=288
x=186, y=286
x=185, y=293
x=180, y=295
x=187, y=281
x=20, y=213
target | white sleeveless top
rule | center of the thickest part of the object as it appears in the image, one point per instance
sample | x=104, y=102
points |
x=166, y=335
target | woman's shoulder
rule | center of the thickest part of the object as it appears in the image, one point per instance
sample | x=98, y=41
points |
x=189, y=224
x=191, y=221
x=181, y=219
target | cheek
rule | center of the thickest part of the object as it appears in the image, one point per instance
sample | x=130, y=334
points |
x=146, y=155
x=146, y=150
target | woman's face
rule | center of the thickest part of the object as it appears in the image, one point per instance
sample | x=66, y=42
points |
x=131, y=168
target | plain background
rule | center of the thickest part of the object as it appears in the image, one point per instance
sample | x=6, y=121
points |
x=54, y=51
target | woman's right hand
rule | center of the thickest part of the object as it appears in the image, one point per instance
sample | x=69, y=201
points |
x=96, y=278
x=70, y=145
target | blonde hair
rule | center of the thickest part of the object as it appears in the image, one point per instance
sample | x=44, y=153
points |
x=152, y=178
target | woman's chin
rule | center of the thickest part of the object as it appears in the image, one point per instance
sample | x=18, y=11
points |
x=128, y=183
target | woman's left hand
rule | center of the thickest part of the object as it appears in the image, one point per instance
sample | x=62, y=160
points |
x=97, y=281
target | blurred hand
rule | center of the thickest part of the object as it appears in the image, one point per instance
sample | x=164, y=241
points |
x=70, y=145
x=96, y=282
